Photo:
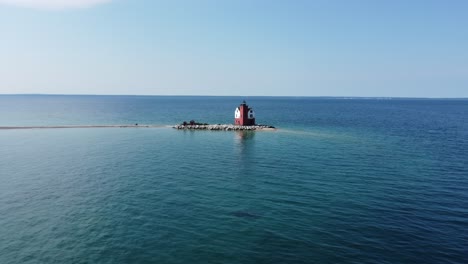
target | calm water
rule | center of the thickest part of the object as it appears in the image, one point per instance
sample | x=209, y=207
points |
x=341, y=181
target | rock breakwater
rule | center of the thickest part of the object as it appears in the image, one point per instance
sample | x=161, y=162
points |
x=225, y=127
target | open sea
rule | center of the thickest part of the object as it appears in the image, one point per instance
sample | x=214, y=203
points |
x=340, y=181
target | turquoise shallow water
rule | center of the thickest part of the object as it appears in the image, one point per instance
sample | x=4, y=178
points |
x=341, y=181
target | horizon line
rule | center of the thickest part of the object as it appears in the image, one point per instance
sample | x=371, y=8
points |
x=292, y=96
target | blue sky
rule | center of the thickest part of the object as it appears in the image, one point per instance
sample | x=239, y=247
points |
x=235, y=47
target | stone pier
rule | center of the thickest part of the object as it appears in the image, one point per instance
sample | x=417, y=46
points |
x=225, y=127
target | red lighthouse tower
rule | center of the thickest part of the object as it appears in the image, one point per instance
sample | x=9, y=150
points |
x=244, y=115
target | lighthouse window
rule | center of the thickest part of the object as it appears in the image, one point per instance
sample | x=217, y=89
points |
x=237, y=113
x=251, y=114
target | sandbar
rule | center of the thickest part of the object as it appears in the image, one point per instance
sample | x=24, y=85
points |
x=80, y=126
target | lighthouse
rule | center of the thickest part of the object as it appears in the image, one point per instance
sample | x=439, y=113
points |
x=244, y=115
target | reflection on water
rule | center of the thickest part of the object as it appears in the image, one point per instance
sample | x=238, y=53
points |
x=244, y=135
x=244, y=139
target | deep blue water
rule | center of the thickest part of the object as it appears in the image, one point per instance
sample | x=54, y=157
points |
x=340, y=181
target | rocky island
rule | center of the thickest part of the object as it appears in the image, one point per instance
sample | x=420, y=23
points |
x=225, y=127
x=244, y=119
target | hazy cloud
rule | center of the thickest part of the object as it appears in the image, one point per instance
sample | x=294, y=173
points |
x=54, y=4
